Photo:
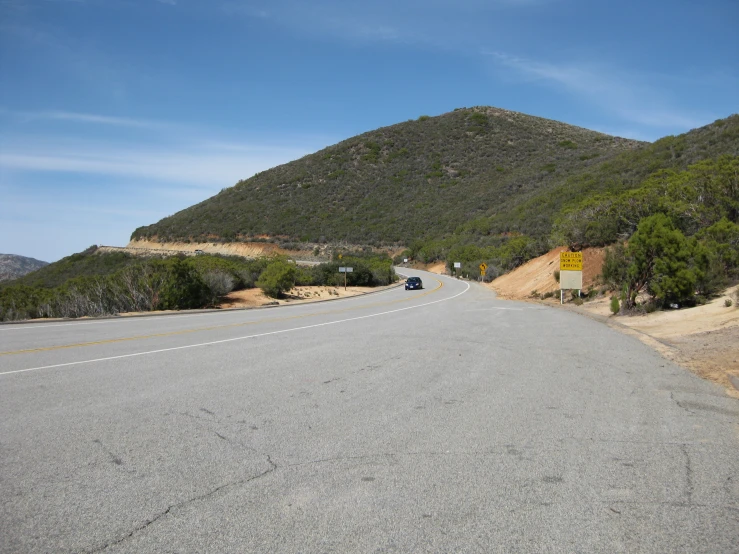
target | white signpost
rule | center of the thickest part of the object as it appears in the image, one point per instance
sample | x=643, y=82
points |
x=570, y=272
x=345, y=270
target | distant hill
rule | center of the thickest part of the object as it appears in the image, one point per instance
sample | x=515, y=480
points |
x=12, y=266
x=472, y=176
x=418, y=179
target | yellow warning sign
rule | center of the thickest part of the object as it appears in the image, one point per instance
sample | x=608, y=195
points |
x=570, y=261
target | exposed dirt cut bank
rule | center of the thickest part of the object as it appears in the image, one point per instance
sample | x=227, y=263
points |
x=246, y=249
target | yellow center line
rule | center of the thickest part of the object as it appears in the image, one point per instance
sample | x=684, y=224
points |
x=213, y=327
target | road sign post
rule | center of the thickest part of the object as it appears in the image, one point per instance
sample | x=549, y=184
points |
x=345, y=270
x=457, y=265
x=483, y=267
x=570, y=272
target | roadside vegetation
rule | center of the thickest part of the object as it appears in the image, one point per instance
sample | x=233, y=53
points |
x=96, y=284
x=674, y=241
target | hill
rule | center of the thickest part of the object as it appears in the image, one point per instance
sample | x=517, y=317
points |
x=474, y=176
x=12, y=266
x=420, y=179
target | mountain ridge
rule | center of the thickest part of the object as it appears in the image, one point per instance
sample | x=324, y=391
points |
x=13, y=266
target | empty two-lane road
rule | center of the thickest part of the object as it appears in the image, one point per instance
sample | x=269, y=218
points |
x=412, y=421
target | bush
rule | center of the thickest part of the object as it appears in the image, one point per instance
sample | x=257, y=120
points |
x=556, y=275
x=277, y=278
x=728, y=302
x=615, y=305
x=615, y=265
x=183, y=287
x=219, y=284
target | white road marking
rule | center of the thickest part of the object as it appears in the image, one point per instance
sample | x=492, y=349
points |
x=235, y=338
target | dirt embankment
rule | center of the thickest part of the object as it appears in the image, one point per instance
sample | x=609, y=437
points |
x=703, y=339
x=537, y=275
x=245, y=249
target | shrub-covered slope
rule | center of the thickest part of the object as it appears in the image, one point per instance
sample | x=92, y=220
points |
x=418, y=179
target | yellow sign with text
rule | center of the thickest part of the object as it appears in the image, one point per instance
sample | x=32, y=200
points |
x=570, y=261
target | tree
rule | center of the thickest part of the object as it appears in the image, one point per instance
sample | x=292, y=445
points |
x=663, y=262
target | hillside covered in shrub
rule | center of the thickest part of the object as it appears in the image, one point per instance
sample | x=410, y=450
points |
x=471, y=176
x=416, y=180
x=95, y=283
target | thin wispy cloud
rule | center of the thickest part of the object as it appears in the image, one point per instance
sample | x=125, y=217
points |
x=76, y=117
x=207, y=168
x=621, y=94
x=432, y=23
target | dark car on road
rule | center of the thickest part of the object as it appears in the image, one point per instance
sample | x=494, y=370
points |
x=413, y=283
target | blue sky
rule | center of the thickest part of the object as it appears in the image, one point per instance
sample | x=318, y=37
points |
x=116, y=113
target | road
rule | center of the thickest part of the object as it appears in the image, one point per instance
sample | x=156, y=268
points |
x=440, y=420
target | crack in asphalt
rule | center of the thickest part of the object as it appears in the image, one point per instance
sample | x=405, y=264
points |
x=680, y=404
x=178, y=505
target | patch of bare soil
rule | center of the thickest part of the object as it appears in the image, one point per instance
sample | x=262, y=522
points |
x=704, y=339
x=537, y=275
x=438, y=268
x=247, y=249
x=252, y=298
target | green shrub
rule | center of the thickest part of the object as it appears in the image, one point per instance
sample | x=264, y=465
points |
x=615, y=264
x=615, y=305
x=277, y=278
x=728, y=303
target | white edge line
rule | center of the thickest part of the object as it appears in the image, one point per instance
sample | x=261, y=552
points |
x=235, y=338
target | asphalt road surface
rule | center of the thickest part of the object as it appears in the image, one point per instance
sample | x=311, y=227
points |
x=439, y=420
